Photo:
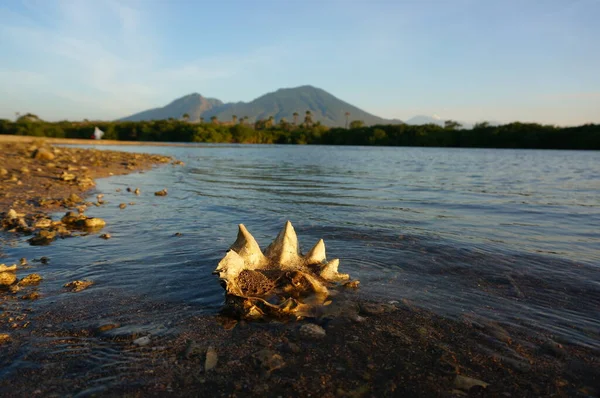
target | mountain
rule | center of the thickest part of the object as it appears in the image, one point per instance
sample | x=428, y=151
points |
x=324, y=107
x=422, y=119
x=194, y=105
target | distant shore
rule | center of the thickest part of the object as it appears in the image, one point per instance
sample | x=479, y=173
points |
x=82, y=141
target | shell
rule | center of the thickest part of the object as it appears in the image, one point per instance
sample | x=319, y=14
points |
x=280, y=280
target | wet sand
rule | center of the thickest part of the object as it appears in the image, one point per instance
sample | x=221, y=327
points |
x=356, y=349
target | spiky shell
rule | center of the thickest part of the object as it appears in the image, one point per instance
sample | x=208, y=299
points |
x=282, y=271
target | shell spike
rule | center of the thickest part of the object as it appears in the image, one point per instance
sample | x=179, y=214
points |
x=316, y=255
x=330, y=272
x=284, y=249
x=246, y=246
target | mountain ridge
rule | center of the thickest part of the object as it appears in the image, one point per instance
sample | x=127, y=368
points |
x=281, y=103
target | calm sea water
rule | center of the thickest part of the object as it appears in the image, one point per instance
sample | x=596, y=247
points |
x=508, y=235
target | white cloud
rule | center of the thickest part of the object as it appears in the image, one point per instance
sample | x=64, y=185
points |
x=98, y=58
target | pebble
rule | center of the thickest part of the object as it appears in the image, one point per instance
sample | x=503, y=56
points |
x=142, y=341
x=137, y=191
x=466, y=383
x=77, y=286
x=211, y=359
x=269, y=360
x=312, y=331
x=31, y=279
x=42, y=154
x=161, y=193
x=5, y=268
x=122, y=206
x=106, y=236
x=4, y=338
x=7, y=278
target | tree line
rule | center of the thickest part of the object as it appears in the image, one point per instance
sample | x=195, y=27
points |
x=239, y=130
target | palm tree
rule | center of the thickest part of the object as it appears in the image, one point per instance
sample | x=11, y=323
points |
x=347, y=116
x=185, y=117
x=308, y=119
x=201, y=120
x=270, y=121
x=234, y=119
x=213, y=119
x=296, y=118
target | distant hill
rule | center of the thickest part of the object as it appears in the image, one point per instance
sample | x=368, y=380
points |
x=324, y=107
x=194, y=105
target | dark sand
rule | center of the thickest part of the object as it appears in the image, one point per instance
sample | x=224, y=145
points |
x=369, y=349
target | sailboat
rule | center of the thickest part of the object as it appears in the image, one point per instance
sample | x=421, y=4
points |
x=98, y=133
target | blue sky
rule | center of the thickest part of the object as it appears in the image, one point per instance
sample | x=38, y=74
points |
x=470, y=60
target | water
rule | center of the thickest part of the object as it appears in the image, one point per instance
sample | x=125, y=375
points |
x=507, y=235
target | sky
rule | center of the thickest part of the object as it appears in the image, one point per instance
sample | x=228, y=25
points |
x=467, y=60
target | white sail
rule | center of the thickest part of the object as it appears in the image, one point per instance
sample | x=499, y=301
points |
x=98, y=133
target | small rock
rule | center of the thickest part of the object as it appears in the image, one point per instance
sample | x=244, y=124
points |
x=372, y=309
x=161, y=193
x=7, y=278
x=211, y=359
x=11, y=215
x=106, y=236
x=118, y=190
x=44, y=260
x=312, y=331
x=43, y=223
x=269, y=360
x=128, y=189
x=74, y=198
x=122, y=206
x=31, y=296
x=3, y=172
x=106, y=327
x=142, y=341
x=42, y=154
x=352, y=284
x=549, y=347
x=7, y=268
x=466, y=383
x=4, y=338
x=77, y=286
x=67, y=176
x=23, y=261
x=31, y=279
x=43, y=237
x=178, y=234
x=137, y=191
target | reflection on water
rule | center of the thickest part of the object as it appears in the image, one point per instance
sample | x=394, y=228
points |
x=511, y=235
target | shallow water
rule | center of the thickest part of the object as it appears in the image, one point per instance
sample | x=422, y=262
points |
x=509, y=235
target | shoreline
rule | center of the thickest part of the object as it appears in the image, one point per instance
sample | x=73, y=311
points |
x=368, y=348
x=6, y=138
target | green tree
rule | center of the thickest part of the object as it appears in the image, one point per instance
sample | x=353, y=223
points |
x=481, y=125
x=308, y=119
x=201, y=120
x=452, y=125
x=185, y=117
x=214, y=119
x=270, y=121
x=296, y=118
x=234, y=119
x=356, y=124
